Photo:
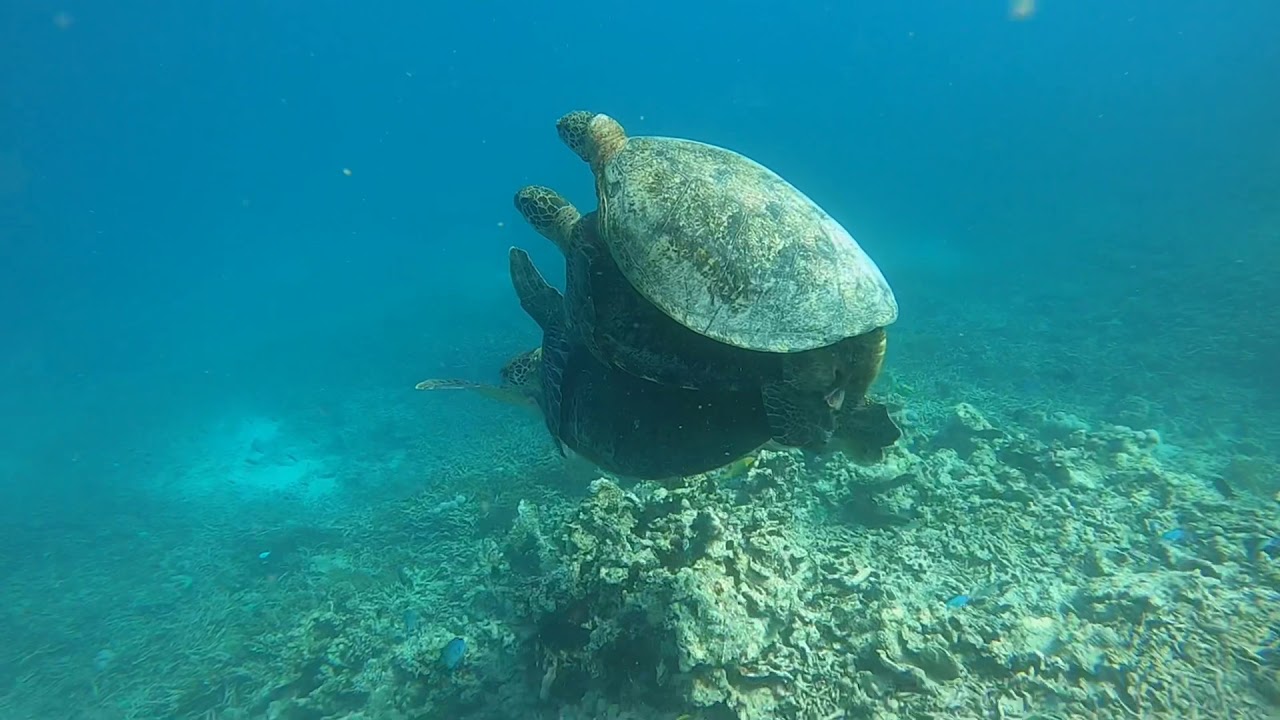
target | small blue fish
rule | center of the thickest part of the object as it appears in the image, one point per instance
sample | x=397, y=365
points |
x=1175, y=535
x=453, y=653
x=410, y=621
x=1271, y=547
x=958, y=602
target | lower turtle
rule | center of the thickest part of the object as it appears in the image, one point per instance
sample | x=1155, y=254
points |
x=634, y=427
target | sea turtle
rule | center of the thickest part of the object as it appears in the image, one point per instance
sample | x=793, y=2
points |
x=621, y=328
x=729, y=249
x=634, y=427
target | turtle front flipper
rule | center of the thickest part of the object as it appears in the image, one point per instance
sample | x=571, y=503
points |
x=448, y=384
x=545, y=305
x=504, y=394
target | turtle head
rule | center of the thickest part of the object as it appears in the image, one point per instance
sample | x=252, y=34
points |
x=520, y=372
x=573, y=129
x=549, y=213
x=595, y=138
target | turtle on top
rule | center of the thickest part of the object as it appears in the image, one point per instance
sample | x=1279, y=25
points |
x=710, y=308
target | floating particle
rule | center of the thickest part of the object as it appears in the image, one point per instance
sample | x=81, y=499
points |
x=102, y=661
x=1022, y=9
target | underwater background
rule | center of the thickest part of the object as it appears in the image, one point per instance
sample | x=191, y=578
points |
x=233, y=236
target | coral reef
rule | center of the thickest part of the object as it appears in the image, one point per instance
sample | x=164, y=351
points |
x=987, y=568
x=765, y=597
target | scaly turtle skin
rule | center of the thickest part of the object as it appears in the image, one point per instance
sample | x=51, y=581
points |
x=519, y=378
x=630, y=426
x=729, y=249
x=623, y=329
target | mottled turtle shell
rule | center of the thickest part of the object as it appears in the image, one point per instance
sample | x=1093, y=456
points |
x=724, y=245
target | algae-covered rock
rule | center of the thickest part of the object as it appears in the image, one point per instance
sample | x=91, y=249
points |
x=965, y=430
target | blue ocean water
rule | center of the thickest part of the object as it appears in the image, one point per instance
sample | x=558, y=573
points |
x=233, y=237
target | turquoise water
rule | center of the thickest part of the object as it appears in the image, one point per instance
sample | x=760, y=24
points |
x=232, y=239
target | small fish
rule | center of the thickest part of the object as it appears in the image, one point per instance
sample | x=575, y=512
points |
x=453, y=653
x=989, y=591
x=1224, y=488
x=958, y=602
x=739, y=467
x=1175, y=535
x=1271, y=547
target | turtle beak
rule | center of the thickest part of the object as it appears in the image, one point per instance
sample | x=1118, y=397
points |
x=835, y=398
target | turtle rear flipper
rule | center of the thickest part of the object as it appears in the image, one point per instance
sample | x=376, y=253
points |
x=802, y=420
x=864, y=431
x=801, y=404
x=545, y=305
